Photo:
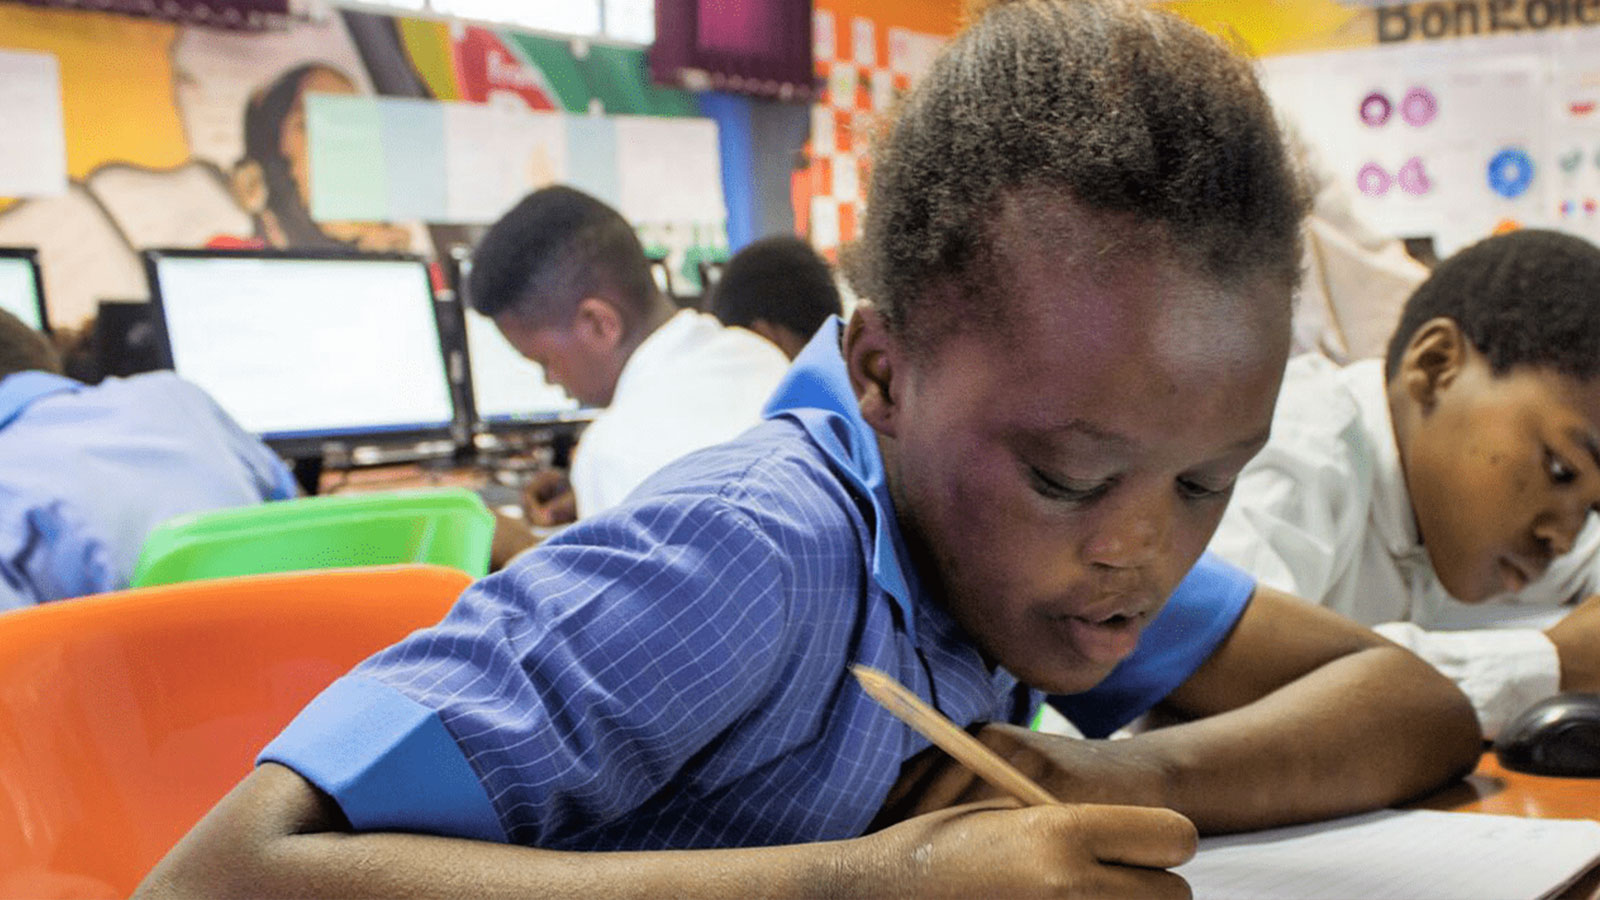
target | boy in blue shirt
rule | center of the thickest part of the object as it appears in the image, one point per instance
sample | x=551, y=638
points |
x=994, y=483
x=87, y=471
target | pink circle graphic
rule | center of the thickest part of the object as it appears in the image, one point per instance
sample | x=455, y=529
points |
x=1373, y=181
x=1375, y=109
x=1413, y=178
x=1419, y=106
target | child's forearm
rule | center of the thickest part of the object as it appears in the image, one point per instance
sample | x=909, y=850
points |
x=1365, y=731
x=275, y=836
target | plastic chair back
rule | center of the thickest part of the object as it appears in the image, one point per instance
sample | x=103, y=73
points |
x=125, y=717
x=446, y=527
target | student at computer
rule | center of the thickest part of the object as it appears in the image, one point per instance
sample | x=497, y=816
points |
x=779, y=288
x=1460, y=470
x=564, y=277
x=1081, y=246
x=87, y=472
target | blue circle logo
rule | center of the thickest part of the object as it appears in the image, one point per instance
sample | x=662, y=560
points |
x=1511, y=173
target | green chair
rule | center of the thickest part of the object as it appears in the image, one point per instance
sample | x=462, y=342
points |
x=447, y=527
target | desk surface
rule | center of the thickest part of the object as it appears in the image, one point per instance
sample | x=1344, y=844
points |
x=1493, y=789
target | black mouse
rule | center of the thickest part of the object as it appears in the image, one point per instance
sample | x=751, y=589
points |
x=1559, y=735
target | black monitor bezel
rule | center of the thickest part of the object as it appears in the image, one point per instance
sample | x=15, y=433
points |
x=497, y=425
x=30, y=255
x=295, y=445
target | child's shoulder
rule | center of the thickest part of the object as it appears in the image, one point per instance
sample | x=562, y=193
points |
x=775, y=478
x=1322, y=401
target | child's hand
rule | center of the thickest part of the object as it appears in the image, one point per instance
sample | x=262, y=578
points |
x=547, y=499
x=997, y=850
x=1577, y=640
x=1074, y=770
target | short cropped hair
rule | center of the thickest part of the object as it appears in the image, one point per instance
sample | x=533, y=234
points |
x=22, y=349
x=1527, y=298
x=779, y=279
x=553, y=249
x=1122, y=108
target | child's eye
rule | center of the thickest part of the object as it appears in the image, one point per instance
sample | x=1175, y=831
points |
x=1558, y=469
x=1066, y=489
x=1197, y=490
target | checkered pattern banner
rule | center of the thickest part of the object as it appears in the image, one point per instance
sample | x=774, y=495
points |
x=863, y=69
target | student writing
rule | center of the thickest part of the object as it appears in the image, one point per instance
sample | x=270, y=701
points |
x=994, y=482
x=1460, y=470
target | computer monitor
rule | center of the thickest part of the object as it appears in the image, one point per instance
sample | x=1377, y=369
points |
x=21, y=289
x=507, y=388
x=307, y=350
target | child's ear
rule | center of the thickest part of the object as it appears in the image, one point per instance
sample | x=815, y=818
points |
x=1432, y=361
x=870, y=354
x=598, y=324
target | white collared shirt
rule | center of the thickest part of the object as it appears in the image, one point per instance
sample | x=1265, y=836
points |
x=690, y=384
x=1322, y=513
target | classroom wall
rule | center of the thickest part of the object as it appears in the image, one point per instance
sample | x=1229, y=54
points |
x=158, y=159
x=1450, y=121
x=155, y=160
x=868, y=53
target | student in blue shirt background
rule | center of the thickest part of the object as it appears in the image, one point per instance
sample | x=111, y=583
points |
x=996, y=482
x=87, y=471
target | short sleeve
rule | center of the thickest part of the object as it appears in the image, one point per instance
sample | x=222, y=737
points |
x=570, y=687
x=1194, y=622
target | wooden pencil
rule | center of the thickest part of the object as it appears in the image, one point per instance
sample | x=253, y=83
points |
x=928, y=722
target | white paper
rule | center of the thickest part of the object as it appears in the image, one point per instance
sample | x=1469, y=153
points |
x=494, y=155
x=824, y=42
x=33, y=143
x=1397, y=855
x=864, y=42
x=824, y=222
x=822, y=136
x=671, y=170
x=882, y=89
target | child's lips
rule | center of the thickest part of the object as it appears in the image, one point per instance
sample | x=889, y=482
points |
x=1104, y=640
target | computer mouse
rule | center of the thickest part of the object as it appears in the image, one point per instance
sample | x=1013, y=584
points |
x=1559, y=735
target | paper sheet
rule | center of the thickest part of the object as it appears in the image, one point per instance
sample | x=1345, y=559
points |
x=33, y=143
x=1397, y=855
x=671, y=169
x=347, y=181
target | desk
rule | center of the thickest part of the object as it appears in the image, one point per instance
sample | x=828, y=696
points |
x=1493, y=789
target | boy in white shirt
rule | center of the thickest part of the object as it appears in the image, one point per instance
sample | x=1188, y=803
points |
x=565, y=279
x=1461, y=470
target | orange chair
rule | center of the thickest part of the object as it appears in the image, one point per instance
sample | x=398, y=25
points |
x=124, y=717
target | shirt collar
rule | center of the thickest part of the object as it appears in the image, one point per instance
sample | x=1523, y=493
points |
x=21, y=390
x=661, y=344
x=1392, y=515
x=816, y=394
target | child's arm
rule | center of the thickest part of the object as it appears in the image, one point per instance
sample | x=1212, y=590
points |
x=1577, y=640
x=275, y=835
x=1299, y=715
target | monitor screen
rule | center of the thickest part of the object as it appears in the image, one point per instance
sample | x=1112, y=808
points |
x=507, y=387
x=298, y=347
x=19, y=289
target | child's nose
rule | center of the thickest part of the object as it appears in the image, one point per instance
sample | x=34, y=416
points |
x=1132, y=535
x=1559, y=527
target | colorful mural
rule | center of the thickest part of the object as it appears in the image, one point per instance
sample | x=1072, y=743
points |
x=209, y=145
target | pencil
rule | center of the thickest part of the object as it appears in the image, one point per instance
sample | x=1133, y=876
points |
x=926, y=721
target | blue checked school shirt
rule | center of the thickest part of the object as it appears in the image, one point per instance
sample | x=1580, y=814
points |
x=673, y=673
x=87, y=472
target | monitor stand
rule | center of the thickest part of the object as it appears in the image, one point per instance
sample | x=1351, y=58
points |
x=308, y=474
